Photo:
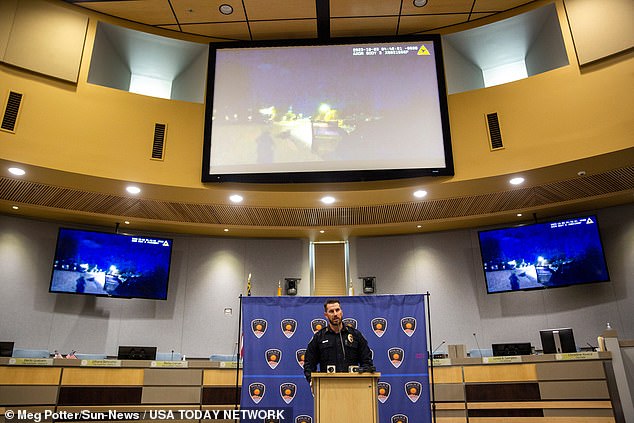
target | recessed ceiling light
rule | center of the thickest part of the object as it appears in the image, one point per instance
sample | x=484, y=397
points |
x=420, y=3
x=328, y=199
x=235, y=198
x=419, y=226
x=133, y=190
x=226, y=9
x=226, y=230
x=581, y=173
x=127, y=222
x=517, y=181
x=15, y=207
x=420, y=193
x=322, y=231
x=519, y=215
x=16, y=171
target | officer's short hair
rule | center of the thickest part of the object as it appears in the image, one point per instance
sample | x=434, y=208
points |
x=331, y=301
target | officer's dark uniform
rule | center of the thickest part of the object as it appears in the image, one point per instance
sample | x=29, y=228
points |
x=343, y=349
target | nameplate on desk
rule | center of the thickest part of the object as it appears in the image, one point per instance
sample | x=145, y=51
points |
x=31, y=361
x=442, y=361
x=228, y=364
x=101, y=363
x=502, y=359
x=172, y=364
x=586, y=355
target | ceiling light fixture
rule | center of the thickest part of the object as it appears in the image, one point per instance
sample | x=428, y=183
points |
x=236, y=198
x=420, y=193
x=519, y=215
x=322, y=231
x=226, y=230
x=328, y=199
x=15, y=207
x=516, y=181
x=226, y=9
x=133, y=190
x=420, y=3
x=16, y=171
x=127, y=222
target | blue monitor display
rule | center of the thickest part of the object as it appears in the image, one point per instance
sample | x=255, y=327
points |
x=543, y=255
x=113, y=265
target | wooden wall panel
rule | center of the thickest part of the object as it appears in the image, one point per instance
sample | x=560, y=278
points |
x=500, y=373
x=572, y=370
x=172, y=377
x=17, y=375
x=587, y=389
x=171, y=395
x=90, y=395
x=102, y=376
x=330, y=270
x=217, y=377
x=19, y=395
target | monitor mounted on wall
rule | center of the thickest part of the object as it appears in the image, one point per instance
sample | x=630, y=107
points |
x=111, y=265
x=308, y=111
x=6, y=348
x=543, y=255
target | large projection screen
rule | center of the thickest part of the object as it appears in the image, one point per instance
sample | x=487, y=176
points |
x=352, y=111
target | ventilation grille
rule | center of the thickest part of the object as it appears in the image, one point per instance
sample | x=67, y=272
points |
x=11, y=110
x=158, y=145
x=495, y=135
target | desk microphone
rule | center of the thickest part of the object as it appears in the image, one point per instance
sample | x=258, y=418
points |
x=439, y=345
x=172, y=355
x=477, y=344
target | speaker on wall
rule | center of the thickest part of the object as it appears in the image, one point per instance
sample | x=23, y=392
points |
x=291, y=285
x=369, y=284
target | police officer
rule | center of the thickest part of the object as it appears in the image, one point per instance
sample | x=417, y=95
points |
x=336, y=345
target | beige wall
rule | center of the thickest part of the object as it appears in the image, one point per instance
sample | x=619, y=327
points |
x=555, y=117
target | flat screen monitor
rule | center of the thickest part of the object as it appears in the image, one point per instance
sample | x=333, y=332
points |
x=543, y=255
x=555, y=341
x=136, y=353
x=6, y=349
x=517, y=348
x=308, y=111
x=112, y=265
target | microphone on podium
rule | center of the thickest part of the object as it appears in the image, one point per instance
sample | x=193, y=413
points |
x=477, y=344
x=438, y=346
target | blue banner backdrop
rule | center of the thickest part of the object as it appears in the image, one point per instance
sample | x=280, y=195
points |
x=278, y=329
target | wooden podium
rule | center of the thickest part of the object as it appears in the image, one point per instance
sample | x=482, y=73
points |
x=346, y=397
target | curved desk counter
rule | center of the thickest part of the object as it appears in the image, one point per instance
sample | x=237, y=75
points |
x=527, y=389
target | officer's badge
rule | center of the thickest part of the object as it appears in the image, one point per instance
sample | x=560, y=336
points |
x=383, y=391
x=408, y=324
x=379, y=326
x=350, y=338
x=288, y=327
x=318, y=324
x=352, y=323
x=256, y=391
x=299, y=356
x=396, y=356
x=273, y=357
x=288, y=391
x=258, y=326
x=413, y=390
x=303, y=419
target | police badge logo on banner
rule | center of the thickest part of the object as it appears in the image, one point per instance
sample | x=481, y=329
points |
x=258, y=326
x=413, y=390
x=399, y=418
x=383, y=391
x=396, y=356
x=289, y=326
x=299, y=356
x=317, y=324
x=379, y=326
x=273, y=357
x=256, y=391
x=288, y=391
x=408, y=324
x=303, y=419
x=352, y=323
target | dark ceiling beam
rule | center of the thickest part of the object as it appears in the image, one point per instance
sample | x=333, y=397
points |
x=323, y=19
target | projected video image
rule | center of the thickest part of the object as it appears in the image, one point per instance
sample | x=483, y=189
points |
x=543, y=255
x=321, y=108
x=111, y=265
